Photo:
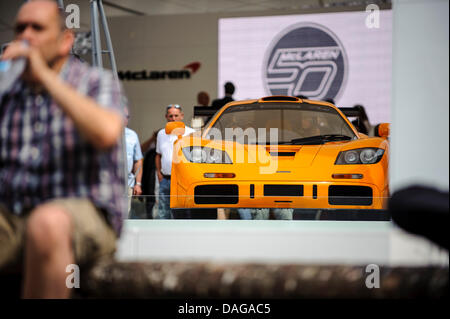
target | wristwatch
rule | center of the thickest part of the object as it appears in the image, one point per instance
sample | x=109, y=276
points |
x=137, y=183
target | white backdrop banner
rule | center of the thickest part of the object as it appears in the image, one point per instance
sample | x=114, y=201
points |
x=321, y=56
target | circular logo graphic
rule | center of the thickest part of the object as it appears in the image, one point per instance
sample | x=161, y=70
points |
x=305, y=59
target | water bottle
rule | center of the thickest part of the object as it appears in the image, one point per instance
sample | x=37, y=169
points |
x=10, y=71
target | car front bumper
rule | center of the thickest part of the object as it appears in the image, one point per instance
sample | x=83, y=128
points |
x=273, y=194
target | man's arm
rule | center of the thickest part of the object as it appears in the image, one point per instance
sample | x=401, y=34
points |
x=158, y=166
x=137, y=171
x=101, y=127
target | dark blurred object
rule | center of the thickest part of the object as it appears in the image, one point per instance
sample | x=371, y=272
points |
x=423, y=211
x=187, y=280
x=257, y=280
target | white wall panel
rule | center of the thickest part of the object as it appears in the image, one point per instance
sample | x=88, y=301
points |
x=420, y=99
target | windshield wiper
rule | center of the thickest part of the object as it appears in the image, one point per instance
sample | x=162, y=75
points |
x=320, y=139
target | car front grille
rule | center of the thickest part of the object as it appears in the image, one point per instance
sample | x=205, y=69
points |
x=283, y=190
x=350, y=195
x=216, y=194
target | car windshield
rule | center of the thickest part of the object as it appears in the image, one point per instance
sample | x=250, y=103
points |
x=280, y=123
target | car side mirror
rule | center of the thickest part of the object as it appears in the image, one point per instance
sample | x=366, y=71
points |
x=175, y=128
x=382, y=130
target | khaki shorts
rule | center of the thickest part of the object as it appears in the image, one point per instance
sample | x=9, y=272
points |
x=93, y=238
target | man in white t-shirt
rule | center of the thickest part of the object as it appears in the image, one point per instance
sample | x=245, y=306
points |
x=163, y=160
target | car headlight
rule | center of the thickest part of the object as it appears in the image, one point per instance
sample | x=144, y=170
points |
x=360, y=156
x=207, y=155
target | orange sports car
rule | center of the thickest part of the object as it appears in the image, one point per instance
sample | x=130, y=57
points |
x=279, y=152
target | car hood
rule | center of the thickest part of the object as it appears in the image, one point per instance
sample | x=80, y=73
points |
x=301, y=155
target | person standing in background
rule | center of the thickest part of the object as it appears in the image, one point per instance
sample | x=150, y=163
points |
x=134, y=162
x=229, y=91
x=202, y=98
x=163, y=163
x=149, y=174
x=199, y=121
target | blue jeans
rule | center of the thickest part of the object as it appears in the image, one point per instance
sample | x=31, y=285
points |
x=263, y=213
x=245, y=213
x=252, y=213
x=164, y=211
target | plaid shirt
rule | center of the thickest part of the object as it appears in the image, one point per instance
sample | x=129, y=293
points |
x=43, y=156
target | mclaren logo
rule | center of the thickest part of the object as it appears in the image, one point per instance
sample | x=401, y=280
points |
x=185, y=73
x=306, y=59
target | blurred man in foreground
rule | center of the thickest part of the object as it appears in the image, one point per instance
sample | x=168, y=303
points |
x=62, y=193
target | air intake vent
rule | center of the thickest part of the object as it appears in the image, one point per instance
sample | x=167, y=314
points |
x=280, y=98
x=216, y=194
x=350, y=195
x=282, y=153
x=283, y=190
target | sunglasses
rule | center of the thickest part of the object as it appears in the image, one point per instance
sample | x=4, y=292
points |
x=177, y=106
x=20, y=27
